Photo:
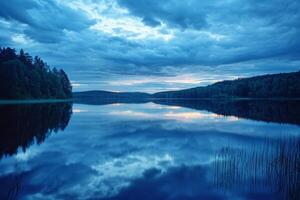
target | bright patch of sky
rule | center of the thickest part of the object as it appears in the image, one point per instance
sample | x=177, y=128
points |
x=153, y=45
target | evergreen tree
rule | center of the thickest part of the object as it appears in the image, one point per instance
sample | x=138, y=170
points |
x=22, y=77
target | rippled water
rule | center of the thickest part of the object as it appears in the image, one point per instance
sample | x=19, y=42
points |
x=161, y=150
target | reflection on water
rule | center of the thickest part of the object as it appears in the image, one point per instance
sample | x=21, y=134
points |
x=280, y=111
x=273, y=166
x=22, y=124
x=161, y=150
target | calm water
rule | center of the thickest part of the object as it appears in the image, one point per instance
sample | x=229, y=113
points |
x=161, y=150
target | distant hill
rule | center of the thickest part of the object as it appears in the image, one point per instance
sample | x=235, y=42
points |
x=103, y=97
x=24, y=77
x=284, y=85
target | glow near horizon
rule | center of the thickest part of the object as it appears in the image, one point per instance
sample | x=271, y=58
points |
x=152, y=45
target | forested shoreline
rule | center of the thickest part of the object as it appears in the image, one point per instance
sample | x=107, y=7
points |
x=284, y=85
x=25, y=77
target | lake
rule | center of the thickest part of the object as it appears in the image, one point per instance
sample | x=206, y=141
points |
x=164, y=149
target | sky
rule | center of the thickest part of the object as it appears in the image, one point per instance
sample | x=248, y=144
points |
x=155, y=45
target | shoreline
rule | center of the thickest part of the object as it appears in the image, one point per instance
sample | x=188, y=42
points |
x=231, y=98
x=37, y=101
x=33, y=101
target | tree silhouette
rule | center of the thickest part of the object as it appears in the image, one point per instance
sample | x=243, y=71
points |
x=25, y=124
x=285, y=85
x=22, y=77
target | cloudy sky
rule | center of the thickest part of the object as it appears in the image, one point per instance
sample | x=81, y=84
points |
x=154, y=45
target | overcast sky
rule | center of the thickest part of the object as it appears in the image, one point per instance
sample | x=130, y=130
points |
x=154, y=45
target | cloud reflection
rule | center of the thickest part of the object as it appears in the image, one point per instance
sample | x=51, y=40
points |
x=129, y=150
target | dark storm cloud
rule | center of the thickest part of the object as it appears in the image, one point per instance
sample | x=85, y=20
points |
x=248, y=31
x=156, y=38
x=17, y=10
x=175, y=13
x=254, y=29
x=46, y=20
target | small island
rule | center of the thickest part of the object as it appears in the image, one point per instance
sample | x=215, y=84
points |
x=23, y=77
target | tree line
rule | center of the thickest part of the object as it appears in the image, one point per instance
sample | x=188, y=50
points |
x=284, y=85
x=25, y=77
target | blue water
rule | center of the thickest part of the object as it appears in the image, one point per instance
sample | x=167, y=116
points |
x=148, y=151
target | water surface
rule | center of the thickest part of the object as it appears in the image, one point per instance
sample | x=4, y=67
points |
x=161, y=150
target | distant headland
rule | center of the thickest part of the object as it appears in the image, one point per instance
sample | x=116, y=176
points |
x=283, y=85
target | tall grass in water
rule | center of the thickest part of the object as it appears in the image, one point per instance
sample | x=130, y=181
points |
x=273, y=166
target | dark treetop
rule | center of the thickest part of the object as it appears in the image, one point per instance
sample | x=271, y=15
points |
x=24, y=77
x=285, y=85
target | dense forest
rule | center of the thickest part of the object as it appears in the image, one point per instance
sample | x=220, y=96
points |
x=24, y=77
x=285, y=85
